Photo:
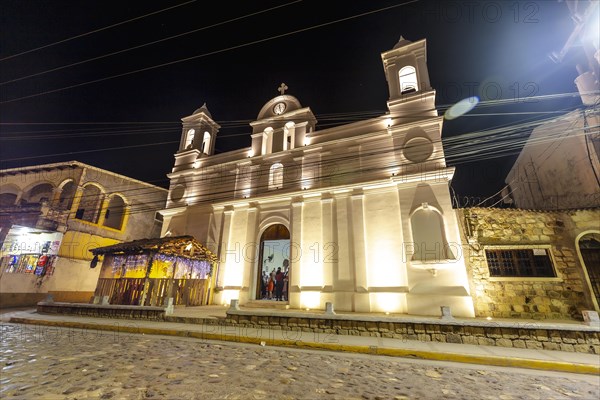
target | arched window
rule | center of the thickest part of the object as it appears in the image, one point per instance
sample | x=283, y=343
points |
x=8, y=195
x=408, y=80
x=115, y=212
x=206, y=143
x=66, y=195
x=7, y=199
x=267, y=139
x=289, y=132
x=428, y=236
x=276, y=176
x=89, y=206
x=39, y=193
x=189, y=139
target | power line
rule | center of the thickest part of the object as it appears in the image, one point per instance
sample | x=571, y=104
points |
x=373, y=165
x=447, y=140
x=208, y=54
x=336, y=118
x=96, y=30
x=147, y=44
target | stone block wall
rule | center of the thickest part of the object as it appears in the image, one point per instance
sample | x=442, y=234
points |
x=560, y=298
x=527, y=335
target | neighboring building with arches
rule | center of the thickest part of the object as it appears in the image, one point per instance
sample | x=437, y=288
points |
x=351, y=208
x=52, y=214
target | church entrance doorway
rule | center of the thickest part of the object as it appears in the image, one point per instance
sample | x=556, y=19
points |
x=273, y=264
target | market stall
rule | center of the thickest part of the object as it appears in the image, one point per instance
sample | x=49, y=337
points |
x=148, y=271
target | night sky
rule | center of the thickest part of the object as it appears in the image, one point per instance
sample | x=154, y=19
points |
x=123, y=112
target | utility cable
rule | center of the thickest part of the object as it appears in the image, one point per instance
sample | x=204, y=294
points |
x=96, y=30
x=146, y=44
x=209, y=53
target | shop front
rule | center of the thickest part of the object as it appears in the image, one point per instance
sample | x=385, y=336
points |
x=27, y=257
x=30, y=251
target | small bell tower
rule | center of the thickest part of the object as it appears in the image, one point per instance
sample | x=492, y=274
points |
x=408, y=79
x=198, y=138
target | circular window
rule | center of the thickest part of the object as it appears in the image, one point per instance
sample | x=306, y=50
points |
x=177, y=193
x=418, y=149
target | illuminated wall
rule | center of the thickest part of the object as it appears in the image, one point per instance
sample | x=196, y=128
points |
x=347, y=197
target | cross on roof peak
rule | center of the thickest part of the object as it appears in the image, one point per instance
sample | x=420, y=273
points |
x=282, y=88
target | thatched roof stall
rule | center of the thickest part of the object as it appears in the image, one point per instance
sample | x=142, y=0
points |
x=181, y=246
x=179, y=259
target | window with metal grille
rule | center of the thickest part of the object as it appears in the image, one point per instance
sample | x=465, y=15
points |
x=520, y=262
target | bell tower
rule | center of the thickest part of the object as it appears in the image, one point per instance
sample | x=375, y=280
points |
x=408, y=79
x=198, y=138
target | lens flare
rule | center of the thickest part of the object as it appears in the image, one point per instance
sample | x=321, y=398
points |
x=461, y=108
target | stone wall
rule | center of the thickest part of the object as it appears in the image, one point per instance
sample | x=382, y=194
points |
x=102, y=311
x=563, y=297
x=525, y=335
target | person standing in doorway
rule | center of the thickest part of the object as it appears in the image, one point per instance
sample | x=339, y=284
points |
x=271, y=285
x=286, y=278
x=279, y=285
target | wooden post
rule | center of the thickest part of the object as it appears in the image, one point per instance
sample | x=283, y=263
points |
x=147, y=280
x=212, y=284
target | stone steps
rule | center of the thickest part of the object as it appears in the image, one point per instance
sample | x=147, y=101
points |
x=272, y=304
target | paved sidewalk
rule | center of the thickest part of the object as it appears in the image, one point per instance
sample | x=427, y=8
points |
x=560, y=361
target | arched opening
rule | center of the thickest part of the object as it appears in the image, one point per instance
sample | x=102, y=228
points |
x=189, y=139
x=429, y=240
x=276, y=176
x=206, y=143
x=273, y=264
x=66, y=195
x=589, y=249
x=39, y=193
x=289, y=131
x=267, y=139
x=408, y=80
x=89, y=207
x=8, y=195
x=7, y=199
x=115, y=212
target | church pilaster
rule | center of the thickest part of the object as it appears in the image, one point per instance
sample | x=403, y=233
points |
x=361, y=296
x=295, y=254
x=227, y=218
x=249, y=249
x=329, y=244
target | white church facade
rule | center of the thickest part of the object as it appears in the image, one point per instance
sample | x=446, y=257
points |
x=361, y=212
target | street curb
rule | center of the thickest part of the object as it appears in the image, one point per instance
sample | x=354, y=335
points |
x=558, y=366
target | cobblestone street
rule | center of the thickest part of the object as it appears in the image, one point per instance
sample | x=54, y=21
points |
x=59, y=363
